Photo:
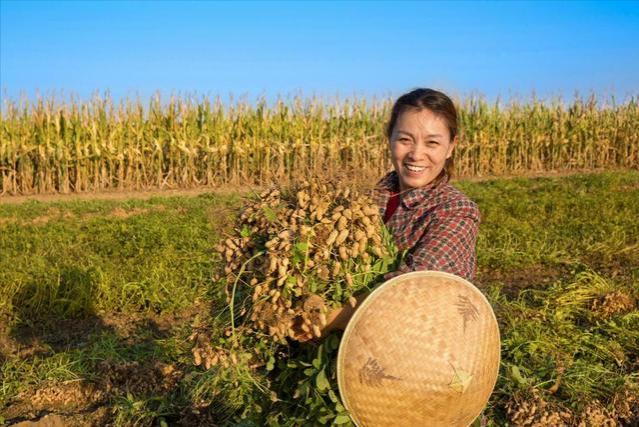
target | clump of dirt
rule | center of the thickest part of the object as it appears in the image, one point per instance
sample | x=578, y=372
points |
x=49, y=334
x=626, y=406
x=536, y=276
x=613, y=303
x=51, y=420
x=198, y=416
x=88, y=402
x=90, y=418
x=65, y=397
x=121, y=213
x=136, y=378
x=77, y=399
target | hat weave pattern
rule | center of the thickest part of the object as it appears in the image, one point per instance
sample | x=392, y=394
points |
x=422, y=350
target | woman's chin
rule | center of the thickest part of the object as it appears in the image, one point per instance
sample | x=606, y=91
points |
x=415, y=180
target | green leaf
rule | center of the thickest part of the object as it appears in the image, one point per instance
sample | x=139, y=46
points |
x=301, y=390
x=296, y=259
x=301, y=247
x=269, y=214
x=337, y=293
x=317, y=363
x=342, y=419
x=516, y=374
x=270, y=364
x=333, y=342
x=246, y=232
x=321, y=381
x=299, y=252
x=291, y=280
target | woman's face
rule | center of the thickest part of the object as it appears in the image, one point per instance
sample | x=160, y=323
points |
x=419, y=145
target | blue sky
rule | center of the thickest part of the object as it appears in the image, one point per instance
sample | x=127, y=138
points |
x=322, y=48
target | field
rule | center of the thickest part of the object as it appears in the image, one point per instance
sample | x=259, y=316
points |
x=99, y=297
x=72, y=146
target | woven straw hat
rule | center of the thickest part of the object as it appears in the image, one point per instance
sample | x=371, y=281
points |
x=422, y=350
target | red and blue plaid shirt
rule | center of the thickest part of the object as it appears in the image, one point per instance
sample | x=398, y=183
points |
x=437, y=224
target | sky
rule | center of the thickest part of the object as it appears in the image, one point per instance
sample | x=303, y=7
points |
x=326, y=49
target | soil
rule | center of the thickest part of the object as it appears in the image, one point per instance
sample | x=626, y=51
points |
x=86, y=401
x=123, y=195
x=234, y=189
x=537, y=276
x=92, y=418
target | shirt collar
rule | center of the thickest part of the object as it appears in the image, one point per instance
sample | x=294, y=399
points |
x=433, y=193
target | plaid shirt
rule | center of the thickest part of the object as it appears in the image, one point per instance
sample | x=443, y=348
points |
x=437, y=223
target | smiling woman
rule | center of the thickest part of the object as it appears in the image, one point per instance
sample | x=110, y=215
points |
x=432, y=220
x=435, y=223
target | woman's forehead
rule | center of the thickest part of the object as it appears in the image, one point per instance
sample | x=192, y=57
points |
x=422, y=122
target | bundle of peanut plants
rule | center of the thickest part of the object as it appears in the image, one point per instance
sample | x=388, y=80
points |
x=296, y=253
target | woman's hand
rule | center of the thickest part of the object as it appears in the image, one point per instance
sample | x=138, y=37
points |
x=336, y=318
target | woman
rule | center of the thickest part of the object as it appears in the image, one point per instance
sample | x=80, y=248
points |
x=430, y=218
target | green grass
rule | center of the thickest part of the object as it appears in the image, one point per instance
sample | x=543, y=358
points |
x=551, y=221
x=135, y=269
x=89, y=256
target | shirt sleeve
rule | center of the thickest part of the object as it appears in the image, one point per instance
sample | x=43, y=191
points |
x=448, y=244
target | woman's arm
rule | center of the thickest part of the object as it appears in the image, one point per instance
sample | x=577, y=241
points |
x=336, y=318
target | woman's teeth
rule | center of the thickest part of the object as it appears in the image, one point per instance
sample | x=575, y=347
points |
x=415, y=168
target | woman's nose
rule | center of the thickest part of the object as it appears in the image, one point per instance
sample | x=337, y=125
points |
x=417, y=151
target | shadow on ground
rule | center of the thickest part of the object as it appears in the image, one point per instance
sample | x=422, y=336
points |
x=63, y=360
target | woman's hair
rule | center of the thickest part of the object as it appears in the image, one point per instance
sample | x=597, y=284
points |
x=433, y=100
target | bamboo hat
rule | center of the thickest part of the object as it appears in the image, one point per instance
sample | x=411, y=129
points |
x=422, y=350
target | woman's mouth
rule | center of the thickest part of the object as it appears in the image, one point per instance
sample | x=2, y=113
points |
x=414, y=168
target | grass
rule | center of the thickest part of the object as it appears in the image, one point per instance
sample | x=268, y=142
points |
x=81, y=257
x=547, y=221
x=97, y=294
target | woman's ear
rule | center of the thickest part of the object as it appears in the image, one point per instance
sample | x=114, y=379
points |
x=451, y=147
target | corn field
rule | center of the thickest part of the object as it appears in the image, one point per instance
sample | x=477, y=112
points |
x=78, y=146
